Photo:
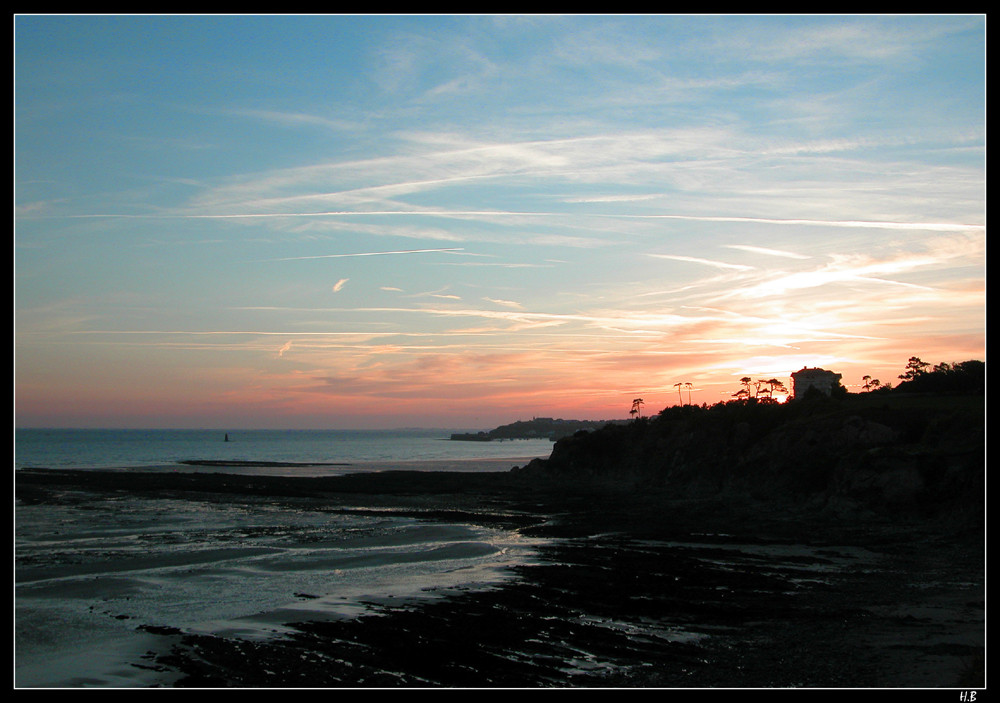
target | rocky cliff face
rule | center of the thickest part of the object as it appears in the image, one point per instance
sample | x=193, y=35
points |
x=911, y=455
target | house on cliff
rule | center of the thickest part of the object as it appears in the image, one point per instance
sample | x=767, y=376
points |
x=822, y=380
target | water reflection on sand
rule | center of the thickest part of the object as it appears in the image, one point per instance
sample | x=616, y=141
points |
x=90, y=572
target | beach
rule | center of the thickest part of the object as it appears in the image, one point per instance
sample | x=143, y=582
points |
x=600, y=586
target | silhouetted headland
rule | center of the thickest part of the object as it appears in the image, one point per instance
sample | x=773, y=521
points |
x=919, y=453
x=536, y=428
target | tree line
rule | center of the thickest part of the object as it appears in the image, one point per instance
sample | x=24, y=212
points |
x=918, y=377
x=956, y=377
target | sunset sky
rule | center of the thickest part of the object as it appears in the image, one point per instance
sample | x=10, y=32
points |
x=434, y=221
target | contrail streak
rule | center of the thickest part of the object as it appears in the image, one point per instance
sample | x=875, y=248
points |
x=707, y=262
x=365, y=253
x=864, y=224
x=934, y=226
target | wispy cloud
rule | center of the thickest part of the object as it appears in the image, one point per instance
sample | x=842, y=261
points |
x=929, y=226
x=495, y=264
x=616, y=320
x=706, y=262
x=682, y=162
x=861, y=224
x=613, y=198
x=289, y=119
x=767, y=252
x=505, y=303
x=366, y=253
x=851, y=40
x=866, y=269
x=339, y=285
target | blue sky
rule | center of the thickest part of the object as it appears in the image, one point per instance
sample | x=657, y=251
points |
x=460, y=221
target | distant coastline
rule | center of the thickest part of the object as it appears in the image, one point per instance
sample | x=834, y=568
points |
x=254, y=463
x=536, y=428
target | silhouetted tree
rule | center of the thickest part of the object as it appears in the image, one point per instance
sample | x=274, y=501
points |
x=914, y=368
x=958, y=377
x=680, y=400
x=773, y=385
x=689, y=387
x=636, y=407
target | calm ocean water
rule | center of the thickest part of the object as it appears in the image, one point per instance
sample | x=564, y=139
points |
x=78, y=448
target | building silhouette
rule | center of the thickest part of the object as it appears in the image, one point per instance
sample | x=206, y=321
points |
x=822, y=380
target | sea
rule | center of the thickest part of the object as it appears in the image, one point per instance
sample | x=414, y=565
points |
x=96, y=576
x=328, y=450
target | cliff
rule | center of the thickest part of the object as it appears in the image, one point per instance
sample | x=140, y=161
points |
x=923, y=455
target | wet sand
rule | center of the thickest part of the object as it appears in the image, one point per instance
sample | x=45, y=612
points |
x=630, y=589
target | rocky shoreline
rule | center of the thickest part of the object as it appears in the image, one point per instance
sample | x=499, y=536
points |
x=630, y=589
